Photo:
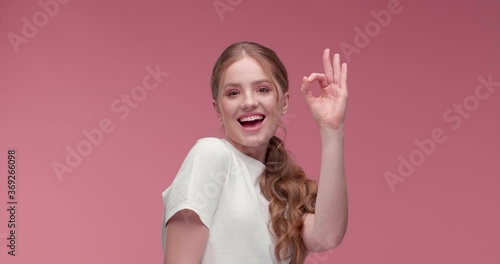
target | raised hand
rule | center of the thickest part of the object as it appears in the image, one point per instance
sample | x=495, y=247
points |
x=328, y=109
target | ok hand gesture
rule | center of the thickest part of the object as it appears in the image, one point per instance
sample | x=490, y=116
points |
x=328, y=109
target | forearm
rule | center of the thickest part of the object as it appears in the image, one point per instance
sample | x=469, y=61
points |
x=331, y=203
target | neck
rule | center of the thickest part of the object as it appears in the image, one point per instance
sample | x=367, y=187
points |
x=257, y=152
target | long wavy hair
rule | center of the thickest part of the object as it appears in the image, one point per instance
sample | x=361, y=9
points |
x=283, y=183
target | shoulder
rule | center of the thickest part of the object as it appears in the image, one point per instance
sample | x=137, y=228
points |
x=210, y=149
x=213, y=141
x=209, y=159
x=211, y=144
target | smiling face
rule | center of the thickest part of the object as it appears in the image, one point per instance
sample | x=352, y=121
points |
x=250, y=106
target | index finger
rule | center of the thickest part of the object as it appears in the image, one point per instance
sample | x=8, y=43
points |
x=327, y=64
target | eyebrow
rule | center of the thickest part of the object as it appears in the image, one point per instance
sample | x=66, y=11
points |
x=253, y=83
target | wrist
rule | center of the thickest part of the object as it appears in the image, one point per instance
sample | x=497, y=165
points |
x=332, y=133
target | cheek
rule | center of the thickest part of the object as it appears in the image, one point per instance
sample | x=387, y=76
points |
x=269, y=102
x=272, y=107
x=228, y=110
x=224, y=107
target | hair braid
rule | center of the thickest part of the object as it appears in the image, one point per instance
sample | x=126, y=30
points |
x=290, y=195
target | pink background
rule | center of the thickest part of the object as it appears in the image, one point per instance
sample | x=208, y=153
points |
x=109, y=208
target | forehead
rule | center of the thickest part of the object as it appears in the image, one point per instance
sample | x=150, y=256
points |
x=244, y=70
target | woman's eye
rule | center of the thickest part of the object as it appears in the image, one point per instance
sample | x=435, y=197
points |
x=263, y=89
x=231, y=93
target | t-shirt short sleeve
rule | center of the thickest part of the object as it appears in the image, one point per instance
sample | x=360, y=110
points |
x=199, y=182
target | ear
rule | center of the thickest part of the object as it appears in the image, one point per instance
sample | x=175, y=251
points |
x=216, y=108
x=286, y=101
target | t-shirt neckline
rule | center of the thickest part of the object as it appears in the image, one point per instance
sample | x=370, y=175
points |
x=245, y=157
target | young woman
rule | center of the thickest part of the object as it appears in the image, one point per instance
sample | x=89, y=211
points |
x=242, y=199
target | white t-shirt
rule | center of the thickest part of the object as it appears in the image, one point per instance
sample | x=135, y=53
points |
x=220, y=184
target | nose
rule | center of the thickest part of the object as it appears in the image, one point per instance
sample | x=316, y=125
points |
x=249, y=101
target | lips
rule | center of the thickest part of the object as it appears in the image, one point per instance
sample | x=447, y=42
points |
x=251, y=120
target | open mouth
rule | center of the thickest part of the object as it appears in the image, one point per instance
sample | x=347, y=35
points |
x=251, y=121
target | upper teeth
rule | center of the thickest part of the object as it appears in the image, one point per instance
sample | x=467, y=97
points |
x=251, y=118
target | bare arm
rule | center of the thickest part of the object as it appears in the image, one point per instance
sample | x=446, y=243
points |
x=325, y=229
x=186, y=239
